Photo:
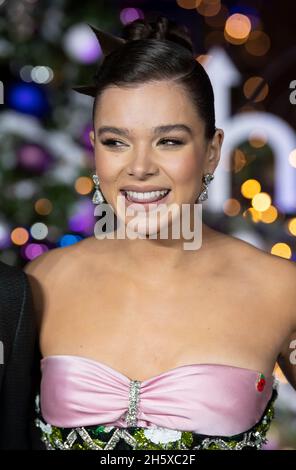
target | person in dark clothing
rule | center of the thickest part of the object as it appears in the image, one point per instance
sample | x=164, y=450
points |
x=17, y=352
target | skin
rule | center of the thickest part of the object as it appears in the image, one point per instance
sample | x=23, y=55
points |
x=145, y=306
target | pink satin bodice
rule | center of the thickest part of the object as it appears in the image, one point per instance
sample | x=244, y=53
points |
x=211, y=399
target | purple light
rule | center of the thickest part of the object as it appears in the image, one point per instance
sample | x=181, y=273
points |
x=130, y=14
x=33, y=157
x=32, y=250
x=5, y=240
x=81, y=44
x=83, y=219
x=85, y=137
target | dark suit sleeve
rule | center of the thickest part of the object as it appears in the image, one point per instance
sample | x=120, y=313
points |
x=18, y=328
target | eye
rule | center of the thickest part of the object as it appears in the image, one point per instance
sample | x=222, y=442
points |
x=173, y=142
x=112, y=142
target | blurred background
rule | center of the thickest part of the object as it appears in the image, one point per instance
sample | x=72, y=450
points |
x=46, y=161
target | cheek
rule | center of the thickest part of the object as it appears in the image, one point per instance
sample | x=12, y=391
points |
x=107, y=167
x=187, y=169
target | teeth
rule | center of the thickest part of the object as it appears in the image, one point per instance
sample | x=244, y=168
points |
x=148, y=195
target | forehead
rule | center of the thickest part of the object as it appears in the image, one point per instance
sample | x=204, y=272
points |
x=146, y=105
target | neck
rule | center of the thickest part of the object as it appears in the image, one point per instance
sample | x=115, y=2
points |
x=162, y=255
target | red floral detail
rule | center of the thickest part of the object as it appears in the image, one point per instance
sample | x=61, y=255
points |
x=261, y=383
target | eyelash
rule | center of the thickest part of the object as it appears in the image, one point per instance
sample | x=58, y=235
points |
x=109, y=142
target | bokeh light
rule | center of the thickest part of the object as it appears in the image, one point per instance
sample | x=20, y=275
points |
x=83, y=185
x=69, y=239
x=130, y=14
x=253, y=84
x=258, y=43
x=5, y=240
x=209, y=7
x=39, y=231
x=231, y=207
x=261, y=201
x=43, y=206
x=85, y=137
x=188, y=4
x=28, y=98
x=25, y=73
x=42, y=74
x=237, y=28
x=292, y=226
x=81, y=44
x=281, y=249
x=218, y=20
x=252, y=214
x=32, y=250
x=34, y=158
x=19, y=236
x=270, y=215
x=250, y=188
x=257, y=142
x=82, y=217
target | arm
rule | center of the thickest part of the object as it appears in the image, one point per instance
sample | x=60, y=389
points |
x=287, y=359
x=17, y=381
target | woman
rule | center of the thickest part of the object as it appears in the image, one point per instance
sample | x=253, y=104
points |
x=145, y=344
x=17, y=336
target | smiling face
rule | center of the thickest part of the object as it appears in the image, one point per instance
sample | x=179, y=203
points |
x=151, y=137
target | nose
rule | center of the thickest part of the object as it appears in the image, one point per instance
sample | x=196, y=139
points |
x=142, y=165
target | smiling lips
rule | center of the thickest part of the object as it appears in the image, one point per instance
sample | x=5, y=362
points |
x=144, y=197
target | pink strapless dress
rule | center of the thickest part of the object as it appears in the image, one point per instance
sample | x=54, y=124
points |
x=201, y=400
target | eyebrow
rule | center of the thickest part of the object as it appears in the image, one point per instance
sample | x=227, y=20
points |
x=155, y=130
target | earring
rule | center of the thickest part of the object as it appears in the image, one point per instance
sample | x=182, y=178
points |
x=206, y=179
x=97, y=197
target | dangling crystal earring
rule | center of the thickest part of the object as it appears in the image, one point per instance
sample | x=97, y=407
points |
x=97, y=197
x=206, y=179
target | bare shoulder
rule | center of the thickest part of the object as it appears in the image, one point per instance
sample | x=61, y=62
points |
x=47, y=266
x=273, y=275
x=51, y=273
x=59, y=262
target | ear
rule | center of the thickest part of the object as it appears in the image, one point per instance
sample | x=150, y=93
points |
x=214, y=151
x=92, y=138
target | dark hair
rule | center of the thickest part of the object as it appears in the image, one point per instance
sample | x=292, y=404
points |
x=160, y=50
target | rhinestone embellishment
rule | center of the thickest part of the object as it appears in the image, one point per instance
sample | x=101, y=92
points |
x=134, y=392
